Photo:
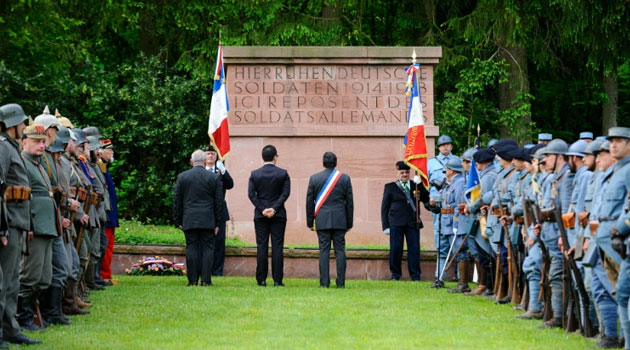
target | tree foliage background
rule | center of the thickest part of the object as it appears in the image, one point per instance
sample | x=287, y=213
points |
x=142, y=70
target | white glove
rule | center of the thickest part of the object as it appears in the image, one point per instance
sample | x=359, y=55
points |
x=220, y=166
x=386, y=231
x=416, y=179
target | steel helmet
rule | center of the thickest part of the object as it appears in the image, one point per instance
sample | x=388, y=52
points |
x=12, y=115
x=444, y=139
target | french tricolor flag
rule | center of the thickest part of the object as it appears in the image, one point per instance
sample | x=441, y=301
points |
x=416, y=155
x=219, y=107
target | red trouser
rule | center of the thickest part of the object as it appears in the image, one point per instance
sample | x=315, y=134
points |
x=106, y=269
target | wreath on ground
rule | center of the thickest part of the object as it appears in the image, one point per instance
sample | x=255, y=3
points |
x=156, y=266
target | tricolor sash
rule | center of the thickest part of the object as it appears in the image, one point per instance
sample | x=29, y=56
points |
x=323, y=194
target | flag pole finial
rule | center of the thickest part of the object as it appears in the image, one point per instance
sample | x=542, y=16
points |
x=413, y=56
x=478, y=129
x=219, y=37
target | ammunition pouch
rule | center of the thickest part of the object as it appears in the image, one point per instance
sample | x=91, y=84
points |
x=568, y=220
x=583, y=218
x=17, y=193
x=95, y=198
x=497, y=212
x=59, y=195
x=448, y=211
x=593, y=225
x=519, y=220
x=461, y=207
x=79, y=193
x=548, y=214
x=617, y=243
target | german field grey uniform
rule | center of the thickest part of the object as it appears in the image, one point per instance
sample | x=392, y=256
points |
x=36, y=269
x=50, y=299
x=18, y=205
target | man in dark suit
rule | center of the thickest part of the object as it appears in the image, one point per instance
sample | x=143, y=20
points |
x=329, y=211
x=399, y=219
x=217, y=167
x=197, y=210
x=269, y=187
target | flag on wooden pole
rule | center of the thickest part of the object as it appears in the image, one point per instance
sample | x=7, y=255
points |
x=416, y=155
x=219, y=107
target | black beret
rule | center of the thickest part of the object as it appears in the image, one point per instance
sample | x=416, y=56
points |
x=522, y=154
x=502, y=143
x=505, y=151
x=483, y=155
x=210, y=148
x=536, y=148
x=400, y=165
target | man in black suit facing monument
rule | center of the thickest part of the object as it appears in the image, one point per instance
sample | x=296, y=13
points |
x=329, y=211
x=197, y=210
x=269, y=187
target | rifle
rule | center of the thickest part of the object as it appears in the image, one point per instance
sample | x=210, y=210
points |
x=585, y=325
x=512, y=268
x=534, y=211
x=86, y=209
x=473, y=229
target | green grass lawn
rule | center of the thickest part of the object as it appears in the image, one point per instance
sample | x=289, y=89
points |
x=162, y=313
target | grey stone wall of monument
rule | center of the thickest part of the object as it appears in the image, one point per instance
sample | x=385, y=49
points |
x=309, y=100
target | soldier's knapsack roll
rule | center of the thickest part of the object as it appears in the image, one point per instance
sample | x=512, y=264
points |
x=17, y=193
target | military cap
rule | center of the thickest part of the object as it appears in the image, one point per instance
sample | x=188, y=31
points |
x=93, y=131
x=210, y=148
x=468, y=155
x=540, y=153
x=492, y=142
x=556, y=146
x=618, y=132
x=593, y=147
x=586, y=135
x=455, y=164
x=545, y=137
x=12, y=115
x=47, y=120
x=605, y=146
x=80, y=136
x=600, y=138
x=577, y=148
x=444, y=139
x=35, y=131
x=64, y=135
x=107, y=143
x=94, y=144
x=521, y=154
x=484, y=155
x=504, y=144
x=400, y=165
x=57, y=146
x=63, y=120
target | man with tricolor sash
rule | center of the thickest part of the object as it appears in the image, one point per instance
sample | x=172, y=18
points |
x=330, y=211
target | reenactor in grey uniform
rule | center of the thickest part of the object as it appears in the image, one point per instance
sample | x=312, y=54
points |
x=100, y=170
x=499, y=198
x=50, y=299
x=480, y=246
x=614, y=204
x=36, y=268
x=18, y=205
x=555, y=192
x=79, y=187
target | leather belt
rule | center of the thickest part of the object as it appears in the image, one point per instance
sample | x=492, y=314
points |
x=42, y=194
x=609, y=218
x=448, y=211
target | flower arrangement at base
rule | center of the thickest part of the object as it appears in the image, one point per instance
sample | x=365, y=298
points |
x=156, y=266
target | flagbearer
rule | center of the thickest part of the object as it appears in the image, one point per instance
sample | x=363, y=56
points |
x=400, y=221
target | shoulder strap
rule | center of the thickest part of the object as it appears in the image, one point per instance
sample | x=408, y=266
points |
x=407, y=195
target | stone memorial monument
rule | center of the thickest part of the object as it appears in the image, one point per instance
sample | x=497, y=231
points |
x=309, y=100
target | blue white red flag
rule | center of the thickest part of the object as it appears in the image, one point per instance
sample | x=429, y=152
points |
x=219, y=106
x=325, y=191
x=416, y=155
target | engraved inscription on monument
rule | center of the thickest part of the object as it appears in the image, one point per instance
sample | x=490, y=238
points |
x=322, y=95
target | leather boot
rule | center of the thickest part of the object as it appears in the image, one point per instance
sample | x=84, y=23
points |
x=78, y=298
x=25, y=313
x=481, y=286
x=69, y=305
x=504, y=296
x=462, y=282
x=90, y=276
x=489, y=282
x=54, y=314
x=97, y=273
x=45, y=306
